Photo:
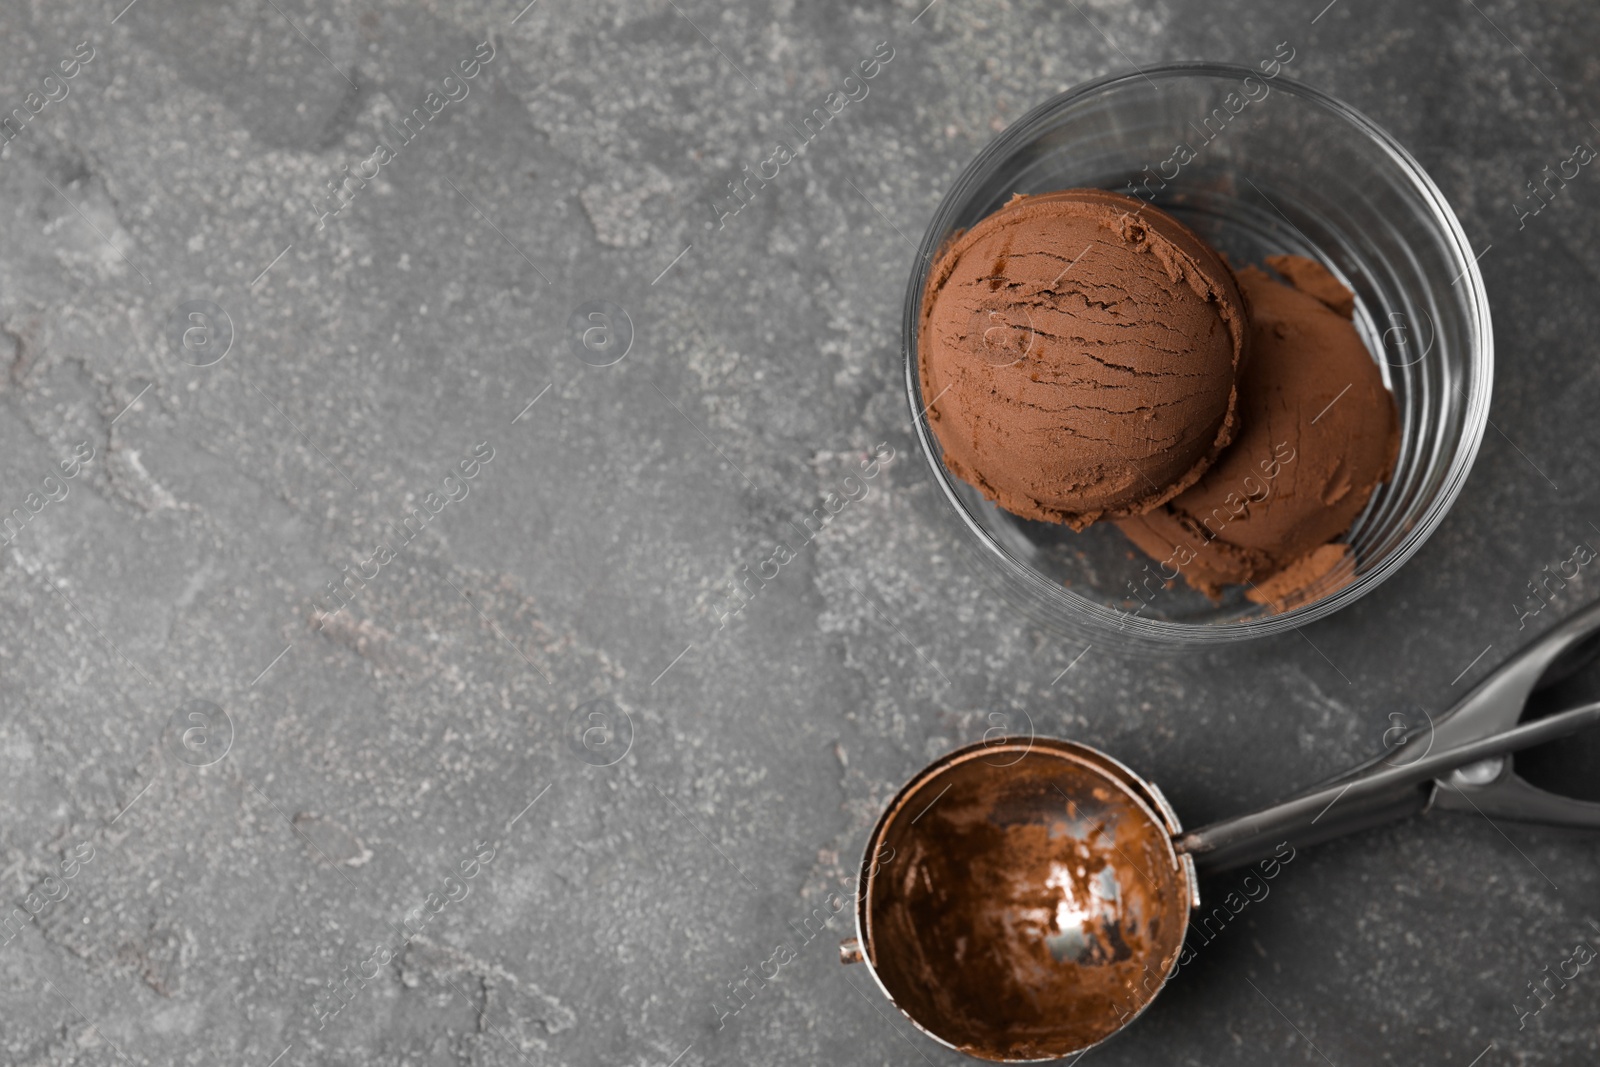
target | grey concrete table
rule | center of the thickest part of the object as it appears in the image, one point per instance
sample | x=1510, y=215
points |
x=526, y=796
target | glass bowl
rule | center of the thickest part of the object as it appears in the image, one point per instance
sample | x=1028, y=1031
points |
x=1277, y=167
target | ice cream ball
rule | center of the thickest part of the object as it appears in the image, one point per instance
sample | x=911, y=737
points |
x=1079, y=353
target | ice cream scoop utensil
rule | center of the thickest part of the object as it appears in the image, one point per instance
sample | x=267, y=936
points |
x=1025, y=899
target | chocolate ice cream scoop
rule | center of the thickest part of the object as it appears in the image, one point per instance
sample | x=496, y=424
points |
x=1033, y=906
x=1024, y=898
x=1078, y=353
x=1319, y=433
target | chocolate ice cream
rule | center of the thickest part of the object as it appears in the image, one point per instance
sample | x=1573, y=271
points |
x=1078, y=353
x=1319, y=432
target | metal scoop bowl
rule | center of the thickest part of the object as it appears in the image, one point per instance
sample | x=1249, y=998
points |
x=1025, y=899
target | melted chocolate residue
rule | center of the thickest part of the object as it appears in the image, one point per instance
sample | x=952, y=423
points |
x=1034, y=905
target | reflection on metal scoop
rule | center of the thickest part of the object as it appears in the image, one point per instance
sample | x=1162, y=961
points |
x=1040, y=890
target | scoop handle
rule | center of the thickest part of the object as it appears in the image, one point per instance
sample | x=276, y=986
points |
x=1378, y=796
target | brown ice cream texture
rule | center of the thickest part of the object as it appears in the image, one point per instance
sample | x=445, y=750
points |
x=1078, y=353
x=1319, y=433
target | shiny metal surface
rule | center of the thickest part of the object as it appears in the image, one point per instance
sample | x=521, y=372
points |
x=1034, y=905
x=1024, y=899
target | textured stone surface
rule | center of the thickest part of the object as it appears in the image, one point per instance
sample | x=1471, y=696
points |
x=408, y=735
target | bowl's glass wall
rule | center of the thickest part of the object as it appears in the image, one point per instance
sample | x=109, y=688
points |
x=1257, y=166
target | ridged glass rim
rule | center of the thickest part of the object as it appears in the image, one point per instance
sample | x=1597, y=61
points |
x=1475, y=417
